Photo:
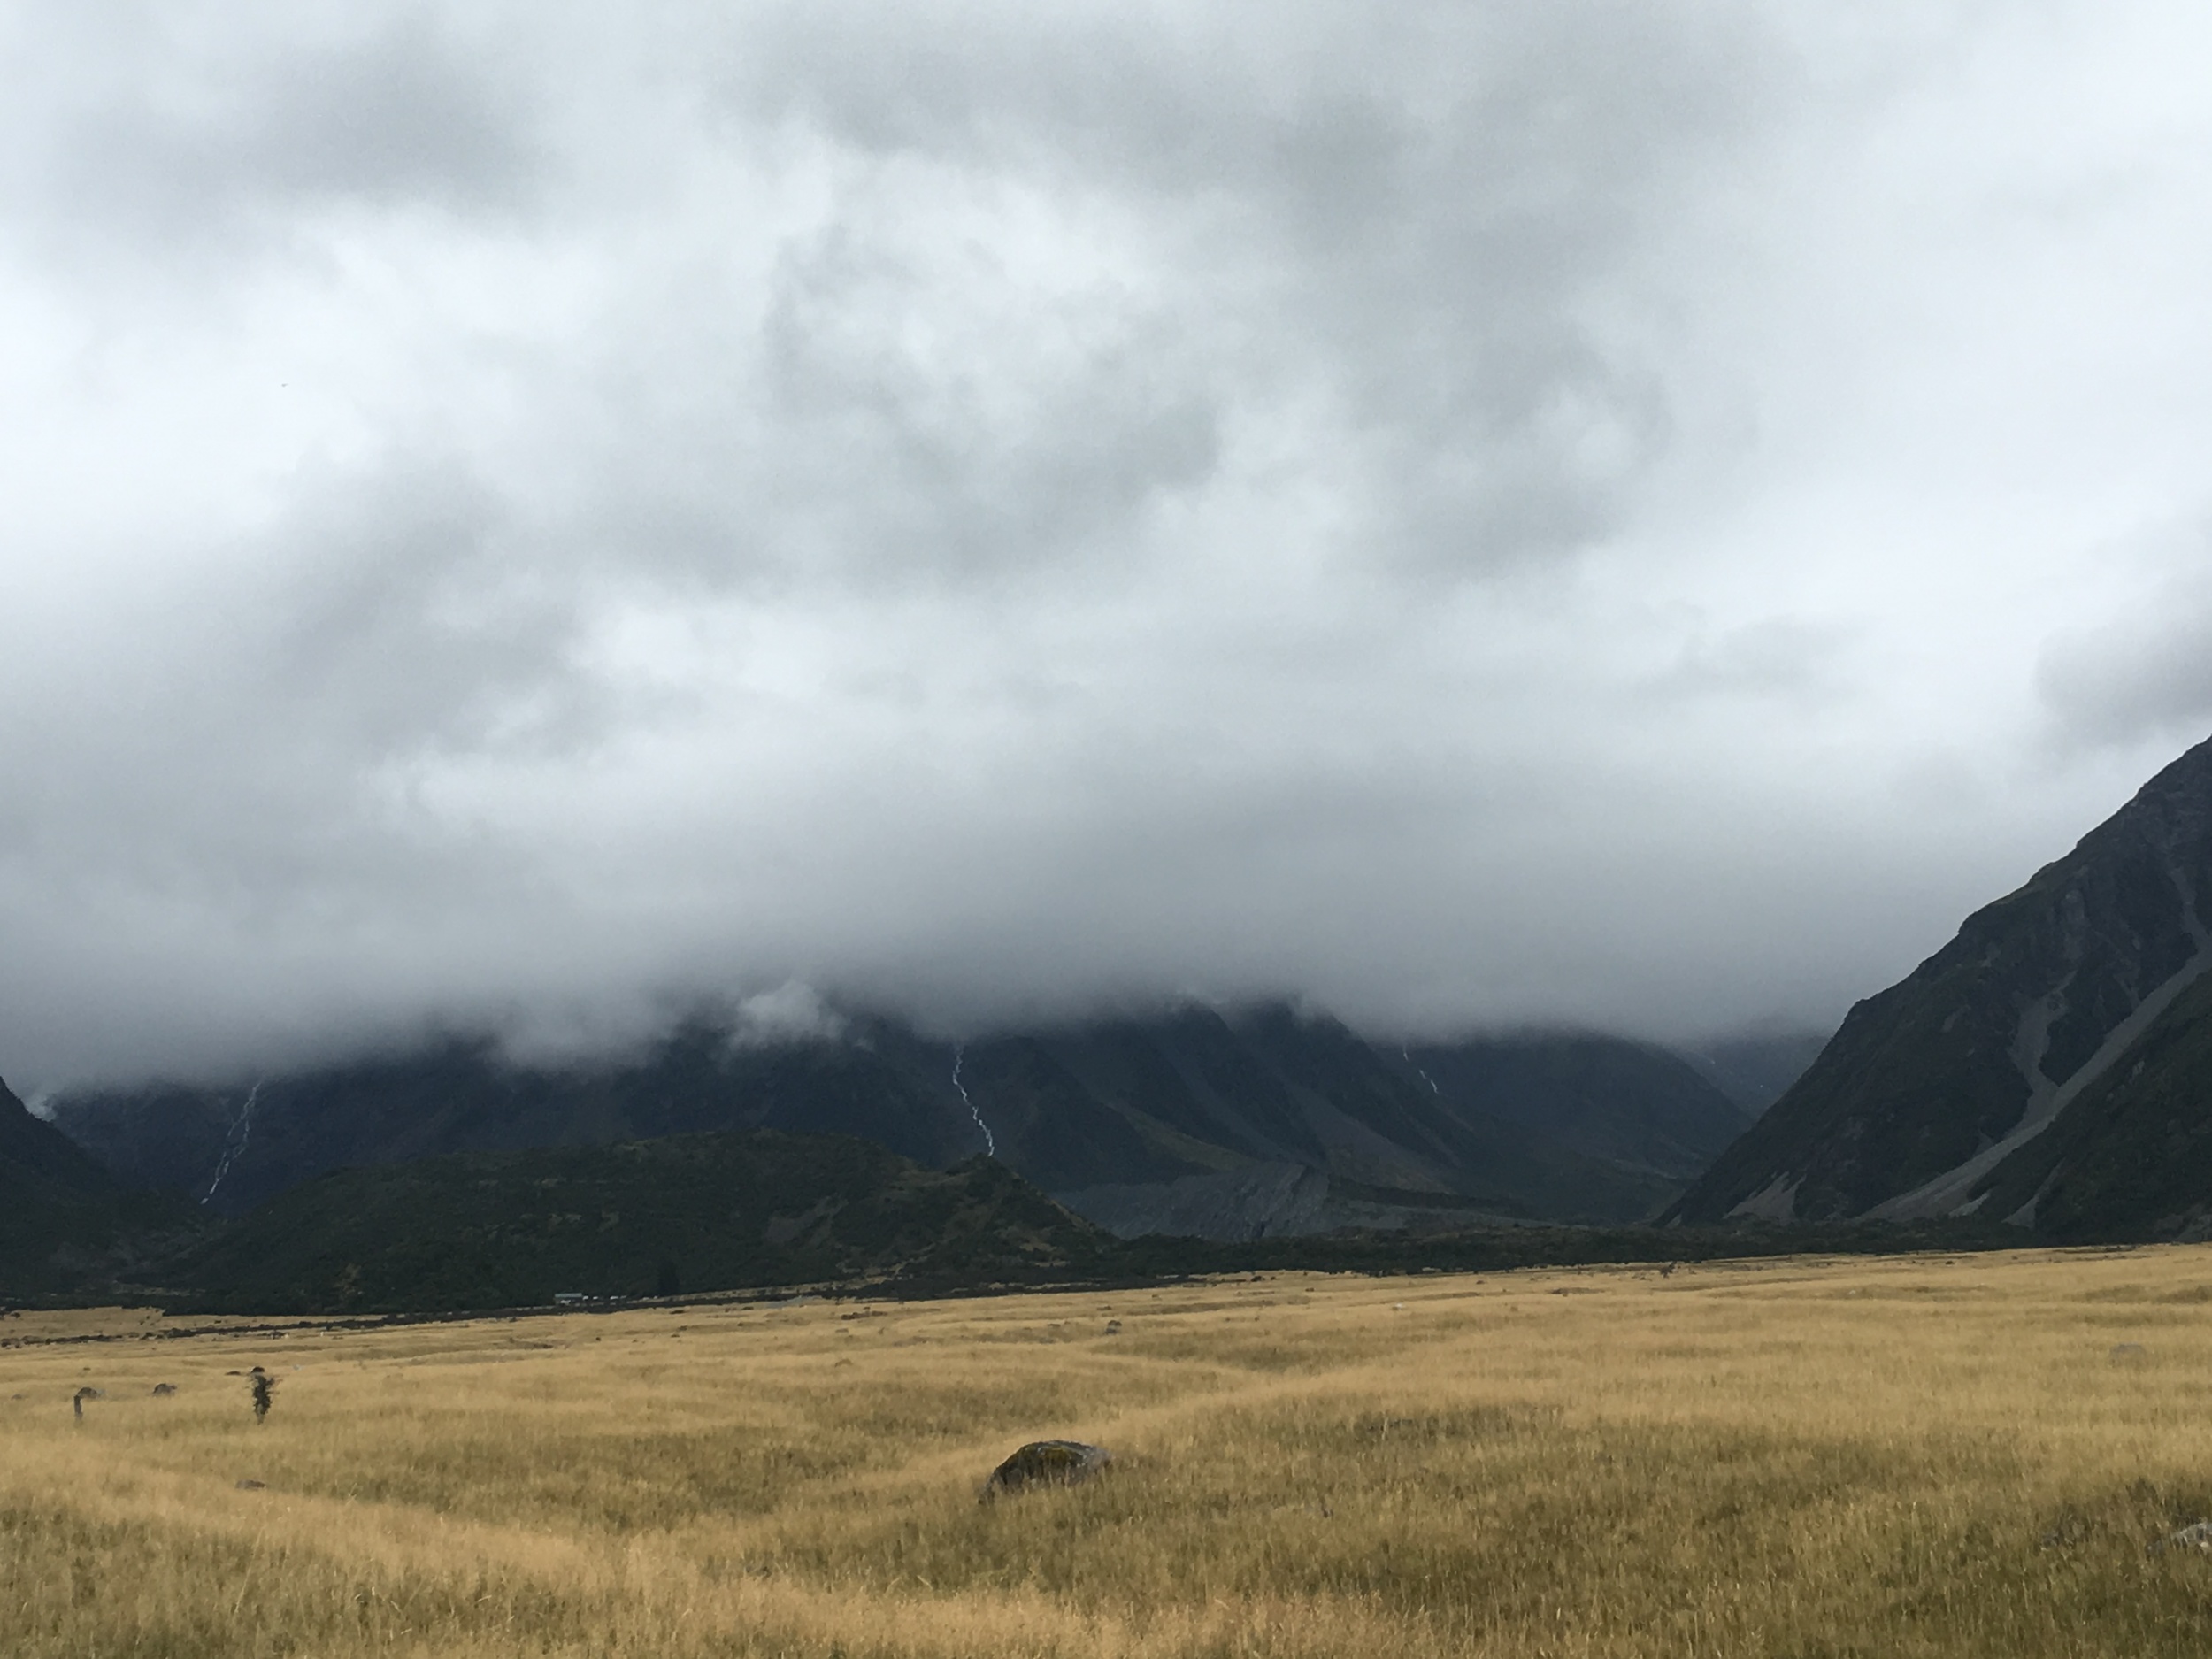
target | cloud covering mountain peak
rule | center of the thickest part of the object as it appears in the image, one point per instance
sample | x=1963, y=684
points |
x=1506, y=512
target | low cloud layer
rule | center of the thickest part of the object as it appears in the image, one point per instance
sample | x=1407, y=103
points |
x=1509, y=512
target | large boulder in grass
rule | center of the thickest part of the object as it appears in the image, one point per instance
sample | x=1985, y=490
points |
x=1046, y=1464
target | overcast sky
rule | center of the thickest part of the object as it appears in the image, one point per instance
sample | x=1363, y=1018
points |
x=1607, y=513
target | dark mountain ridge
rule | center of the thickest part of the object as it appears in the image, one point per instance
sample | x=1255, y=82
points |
x=1106, y=1115
x=1627, y=1104
x=694, y=1213
x=1756, y=1069
x=710, y=1214
x=64, y=1221
x=2050, y=1059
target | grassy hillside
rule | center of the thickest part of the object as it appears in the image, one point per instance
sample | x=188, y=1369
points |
x=687, y=1212
x=704, y=1213
x=1833, y=1459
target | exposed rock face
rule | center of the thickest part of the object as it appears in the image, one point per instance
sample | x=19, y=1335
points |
x=2131, y=1156
x=1046, y=1464
x=1262, y=1201
x=1989, y=1079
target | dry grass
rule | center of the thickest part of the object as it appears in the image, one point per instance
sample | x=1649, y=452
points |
x=1809, y=1458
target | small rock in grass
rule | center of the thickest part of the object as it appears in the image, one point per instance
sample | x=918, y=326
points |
x=2196, y=1535
x=1046, y=1464
x=1113, y=1328
x=252, y=1486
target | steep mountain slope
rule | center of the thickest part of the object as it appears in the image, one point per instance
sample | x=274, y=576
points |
x=1624, y=1104
x=1112, y=1115
x=1285, y=1090
x=1754, y=1071
x=2131, y=1157
x=687, y=1213
x=234, y=1148
x=64, y=1220
x=1926, y=1101
x=1331, y=1131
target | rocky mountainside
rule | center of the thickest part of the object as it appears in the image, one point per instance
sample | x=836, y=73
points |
x=2131, y=1157
x=2052, y=1066
x=1236, y=1126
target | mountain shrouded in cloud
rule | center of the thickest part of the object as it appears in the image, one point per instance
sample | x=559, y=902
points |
x=2048, y=1067
x=1500, y=513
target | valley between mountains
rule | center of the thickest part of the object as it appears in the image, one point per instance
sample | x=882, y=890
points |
x=2045, y=1076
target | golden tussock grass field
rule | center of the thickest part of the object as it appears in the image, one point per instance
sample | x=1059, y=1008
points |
x=1801, y=1458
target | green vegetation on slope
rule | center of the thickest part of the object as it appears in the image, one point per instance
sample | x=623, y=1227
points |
x=687, y=1213
x=699, y=1214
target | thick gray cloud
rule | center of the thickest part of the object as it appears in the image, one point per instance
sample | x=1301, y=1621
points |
x=1510, y=512
x=2143, y=668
